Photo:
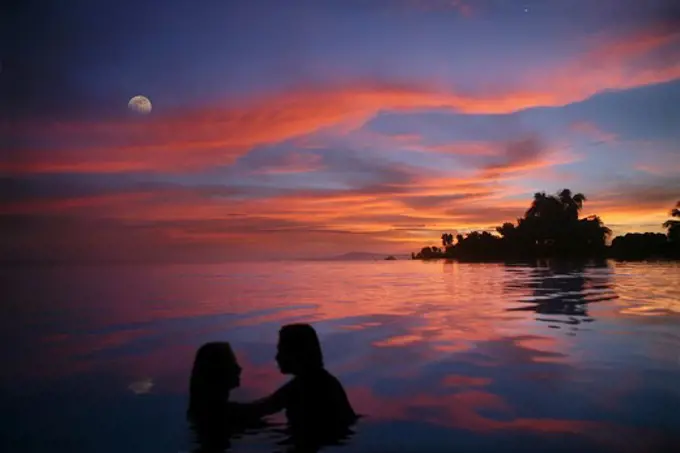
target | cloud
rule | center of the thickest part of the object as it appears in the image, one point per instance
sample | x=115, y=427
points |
x=641, y=204
x=592, y=131
x=464, y=7
x=189, y=140
x=365, y=200
x=619, y=62
x=464, y=148
x=519, y=155
x=191, y=224
x=100, y=203
x=176, y=222
x=665, y=164
x=292, y=162
x=69, y=238
x=297, y=167
x=440, y=201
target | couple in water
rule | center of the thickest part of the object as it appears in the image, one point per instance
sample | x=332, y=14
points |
x=314, y=401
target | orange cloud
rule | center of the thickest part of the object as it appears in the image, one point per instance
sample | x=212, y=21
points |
x=197, y=139
x=398, y=217
x=380, y=216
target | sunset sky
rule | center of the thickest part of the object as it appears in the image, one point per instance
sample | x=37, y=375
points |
x=310, y=128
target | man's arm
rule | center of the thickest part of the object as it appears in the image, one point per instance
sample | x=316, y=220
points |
x=271, y=404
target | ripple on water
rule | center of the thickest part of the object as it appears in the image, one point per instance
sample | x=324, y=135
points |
x=468, y=353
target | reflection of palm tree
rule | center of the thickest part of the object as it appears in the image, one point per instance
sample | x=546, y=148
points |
x=565, y=292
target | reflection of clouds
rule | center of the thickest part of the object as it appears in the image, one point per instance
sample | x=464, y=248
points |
x=398, y=341
x=462, y=411
x=501, y=386
x=508, y=384
x=360, y=326
x=659, y=285
x=142, y=386
x=456, y=380
x=409, y=343
x=256, y=380
x=661, y=309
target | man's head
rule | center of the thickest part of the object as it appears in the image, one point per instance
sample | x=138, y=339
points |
x=299, y=349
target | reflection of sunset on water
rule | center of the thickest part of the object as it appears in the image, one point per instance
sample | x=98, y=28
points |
x=474, y=348
x=662, y=281
x=315, y=162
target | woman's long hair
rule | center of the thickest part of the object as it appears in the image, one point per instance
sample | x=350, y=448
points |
x=214, y=374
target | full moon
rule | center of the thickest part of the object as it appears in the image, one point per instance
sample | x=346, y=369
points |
x=140, y=104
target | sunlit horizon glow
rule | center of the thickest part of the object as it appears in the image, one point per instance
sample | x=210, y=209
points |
x=324, y=128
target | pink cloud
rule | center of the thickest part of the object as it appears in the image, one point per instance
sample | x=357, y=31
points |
x=192, y=140
x=293, y=162
x=592, y=131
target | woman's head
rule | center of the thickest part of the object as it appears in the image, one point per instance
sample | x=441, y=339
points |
x=214, y=374
x=299, y=349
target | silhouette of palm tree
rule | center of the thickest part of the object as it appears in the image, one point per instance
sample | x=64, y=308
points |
x=552, y=206
x=506, y=230
x=673, y=226
x=538, y=206
x=551, y=227
x=447, y=240
x=572, y=203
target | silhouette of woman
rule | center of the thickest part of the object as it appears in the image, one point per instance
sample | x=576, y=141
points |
x=213, y=419
x=316, y=405
x=214, y=374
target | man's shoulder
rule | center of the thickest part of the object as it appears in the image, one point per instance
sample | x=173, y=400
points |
x=320, y=381
x=330, y=377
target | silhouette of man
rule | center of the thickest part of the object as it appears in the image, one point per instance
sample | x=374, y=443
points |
x=315, y=402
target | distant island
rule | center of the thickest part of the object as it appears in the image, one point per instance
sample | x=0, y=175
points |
x=551, y=228
x=363, y=256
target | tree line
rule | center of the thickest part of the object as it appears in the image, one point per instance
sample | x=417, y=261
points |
x=552, y=228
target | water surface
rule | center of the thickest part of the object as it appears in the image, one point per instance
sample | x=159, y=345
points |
x=437, y=356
